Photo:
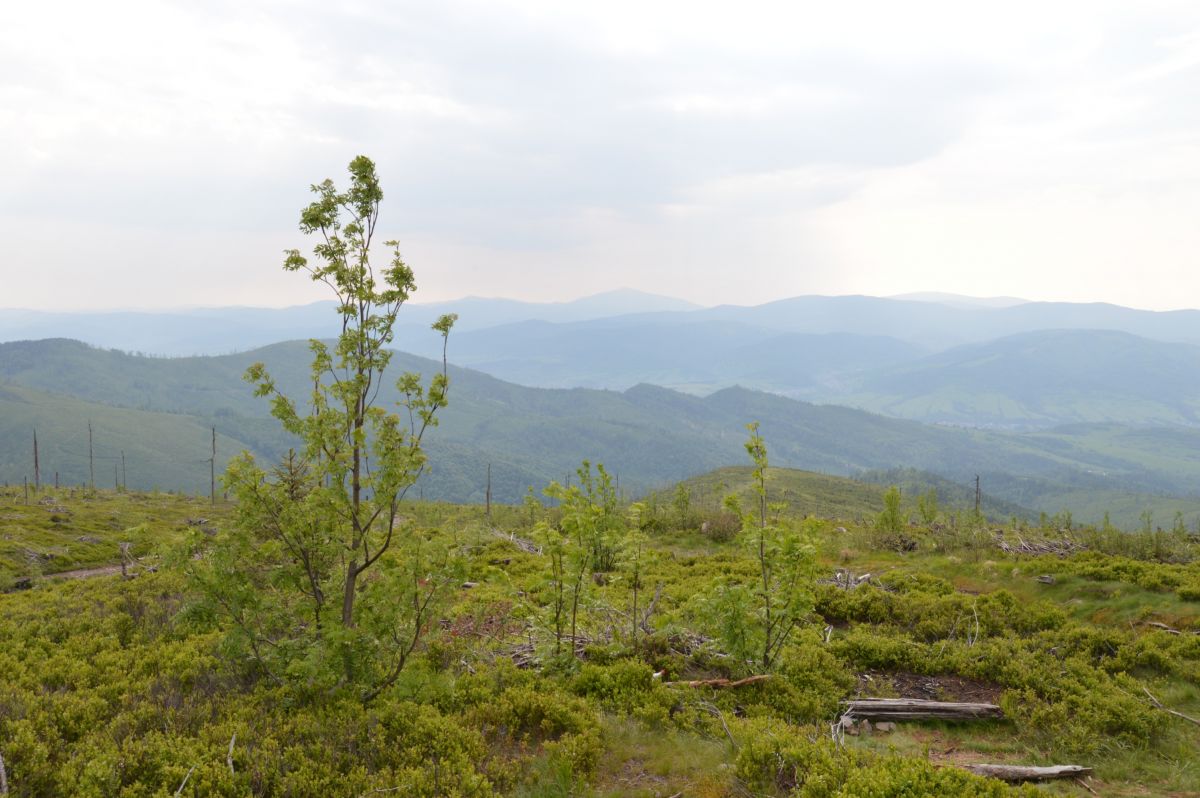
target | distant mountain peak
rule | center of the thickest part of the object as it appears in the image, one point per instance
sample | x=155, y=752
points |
x=621, y=300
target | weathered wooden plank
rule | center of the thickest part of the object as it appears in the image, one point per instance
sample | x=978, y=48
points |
x=1029, y=772
x=918, y=709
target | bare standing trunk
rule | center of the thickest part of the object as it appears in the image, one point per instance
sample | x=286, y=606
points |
x=488, y=496
x=212, y=469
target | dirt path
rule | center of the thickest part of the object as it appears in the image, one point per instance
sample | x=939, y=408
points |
x=134, y=567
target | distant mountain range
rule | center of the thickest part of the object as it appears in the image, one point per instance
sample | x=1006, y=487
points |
x=211, y=331
x=932, y=322
x=998, y=362
x=159, y=412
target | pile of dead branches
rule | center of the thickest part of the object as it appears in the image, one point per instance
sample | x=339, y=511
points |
x=848, y=580
x=524, y=544
x=1062, y=547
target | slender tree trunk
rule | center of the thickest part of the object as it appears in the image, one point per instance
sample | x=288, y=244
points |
x=762, y=500
x=352, y=569
x=766, y=582
x=636, y=577
x=559, y=603
x=575, y=607
x=352, y=572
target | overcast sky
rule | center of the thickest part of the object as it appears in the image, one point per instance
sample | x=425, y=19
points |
x=156, y=154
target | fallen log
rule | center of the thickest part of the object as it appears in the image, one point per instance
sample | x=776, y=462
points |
x=918, y=709
x=1029, y=772
x=721, y=683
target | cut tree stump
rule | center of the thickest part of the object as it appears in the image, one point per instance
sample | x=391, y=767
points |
x=1029, y=772
x=917, y=709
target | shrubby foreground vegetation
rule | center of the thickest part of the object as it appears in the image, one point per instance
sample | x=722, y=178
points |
x=126, y=686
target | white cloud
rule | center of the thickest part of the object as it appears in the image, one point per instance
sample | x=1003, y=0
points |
x=545, y=149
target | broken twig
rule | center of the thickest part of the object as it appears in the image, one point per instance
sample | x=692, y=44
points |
x=1158, y=704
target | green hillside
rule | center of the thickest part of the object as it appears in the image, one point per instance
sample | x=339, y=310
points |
x=826, y=496
x=1042, y=379
x=957, y=498
x=803, y=492
x=161, y=411
x=169, y=451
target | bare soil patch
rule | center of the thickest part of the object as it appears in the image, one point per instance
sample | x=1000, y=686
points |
x=943, y=687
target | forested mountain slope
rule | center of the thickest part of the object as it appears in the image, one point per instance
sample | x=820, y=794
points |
x=648, y=435
x=1042, y=379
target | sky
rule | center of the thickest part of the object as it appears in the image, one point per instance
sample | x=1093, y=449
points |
x=157, y=154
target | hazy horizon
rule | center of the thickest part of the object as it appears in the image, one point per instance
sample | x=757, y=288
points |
x=932, y=296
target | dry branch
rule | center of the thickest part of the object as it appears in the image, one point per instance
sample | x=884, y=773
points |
x=523, y=655
x=184, y=782
x=918, y=709
x=722, y=683
x=1029, y=772
x=713, y=710
x=1158, y=704
x=846, y=579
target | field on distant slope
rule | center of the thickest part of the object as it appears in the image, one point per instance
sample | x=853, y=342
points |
x=113, y=687
x=72, y=529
